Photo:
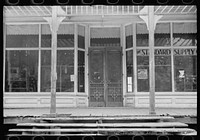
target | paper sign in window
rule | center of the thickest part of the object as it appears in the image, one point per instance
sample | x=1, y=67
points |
x=142, y=74
x=72, y=77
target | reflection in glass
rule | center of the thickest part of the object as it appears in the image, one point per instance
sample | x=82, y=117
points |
x=143, y=73
x=105, y=37
x=45, y=70
x=81, y=71
x=142, y=35
x=163, y=81
x=129, y=36
x=185, y=34
x=129, y=70
x=23, y=36
x=81, y=37
x=65, y=36
x=65, y=71
x=185, y=73
x=46, y=36
x=162, y=34
x=21, y=73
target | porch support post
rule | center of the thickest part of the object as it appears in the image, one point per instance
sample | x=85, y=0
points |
x=151, y=61
x=151, y=21
x=54, y=23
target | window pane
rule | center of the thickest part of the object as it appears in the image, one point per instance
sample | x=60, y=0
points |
x=81, y=37
x=65, y=36
x=21, y=71
x=65, y=71
x=163, y=81
x=81, y=71
x=105, y=37
x=142, y=35
x=129, y=70
x=162, y=34
x=45, y=70
x=143, y=70
x=23, y=36
x=185, y=34
x=129, y=36
x=46, y=36
x=185, y=72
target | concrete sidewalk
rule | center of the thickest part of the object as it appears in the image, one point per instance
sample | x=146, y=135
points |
x=100, y=111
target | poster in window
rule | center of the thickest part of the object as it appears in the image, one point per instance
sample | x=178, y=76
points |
x=181, y=74
x=142, y=74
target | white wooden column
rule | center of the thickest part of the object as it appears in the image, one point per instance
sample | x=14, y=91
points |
x=151, y=61
x=54, y=23
x=151, y=20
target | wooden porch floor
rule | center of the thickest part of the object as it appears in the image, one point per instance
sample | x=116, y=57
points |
x=100, y=111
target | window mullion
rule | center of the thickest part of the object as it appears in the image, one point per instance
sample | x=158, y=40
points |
x=172, y=57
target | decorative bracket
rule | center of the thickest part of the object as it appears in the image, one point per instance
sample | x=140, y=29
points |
x=146, y=17
x=55, y=21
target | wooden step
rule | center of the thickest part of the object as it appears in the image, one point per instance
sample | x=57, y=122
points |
x=106, y=118
x=172, y=131
x=95, y=125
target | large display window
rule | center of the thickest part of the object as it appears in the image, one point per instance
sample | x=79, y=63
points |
x=21, y=71
x=185, y=70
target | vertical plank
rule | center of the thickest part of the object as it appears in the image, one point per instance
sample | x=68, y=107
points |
x=151, y=60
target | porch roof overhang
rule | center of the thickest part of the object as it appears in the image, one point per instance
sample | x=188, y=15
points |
x=97, y=13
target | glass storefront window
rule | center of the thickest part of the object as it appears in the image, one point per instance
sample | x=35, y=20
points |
x=142, y=35
x=65, y=71
x=162, y=34
x=45, y=36
x=163, y=79
x=81, y=37
x=45, y=71
x=129, y=70
x=65, y=36
x=81, y=71
x=143, y=70
x=184, y=34
x=185, y=70
x=21, y=71
x=22, y=36
x=105, y=37
x=129, y=36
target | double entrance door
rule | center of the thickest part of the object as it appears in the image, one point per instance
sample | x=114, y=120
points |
x=105, y=77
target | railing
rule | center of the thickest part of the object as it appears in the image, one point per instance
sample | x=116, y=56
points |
x=102, y=10
x=13, y=11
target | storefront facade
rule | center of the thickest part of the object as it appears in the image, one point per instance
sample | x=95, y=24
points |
x=102, y=57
